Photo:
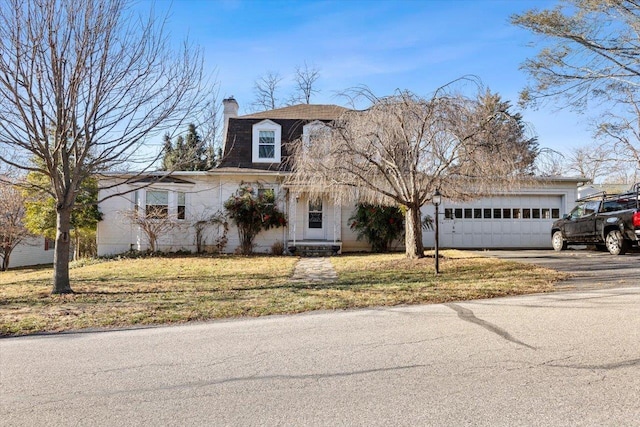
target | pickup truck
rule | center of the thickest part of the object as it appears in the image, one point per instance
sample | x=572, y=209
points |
x=608, y=221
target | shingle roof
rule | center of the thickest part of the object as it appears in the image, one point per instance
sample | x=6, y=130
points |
x=300, y=112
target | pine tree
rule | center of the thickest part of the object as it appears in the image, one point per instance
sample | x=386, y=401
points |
x=189, y=153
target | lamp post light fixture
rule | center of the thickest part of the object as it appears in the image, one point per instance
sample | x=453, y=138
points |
x=436, y=199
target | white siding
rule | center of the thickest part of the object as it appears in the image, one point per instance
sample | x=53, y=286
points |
x=204, y=198
x=31, y=252
x=209, y=191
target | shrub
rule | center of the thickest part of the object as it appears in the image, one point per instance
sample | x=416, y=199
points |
x=379, y=225
x=277, y=248
x=253, y=211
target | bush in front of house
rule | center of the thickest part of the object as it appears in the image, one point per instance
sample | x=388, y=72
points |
x=379, y=225
x=253, y=210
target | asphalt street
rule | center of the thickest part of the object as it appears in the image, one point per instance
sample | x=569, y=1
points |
x=562, y=359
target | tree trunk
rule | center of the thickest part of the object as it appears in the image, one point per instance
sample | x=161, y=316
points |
x=413, y=233
x=4, y=265
x=61, y=283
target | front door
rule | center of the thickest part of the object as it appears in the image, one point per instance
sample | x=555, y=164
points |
x=315, y=219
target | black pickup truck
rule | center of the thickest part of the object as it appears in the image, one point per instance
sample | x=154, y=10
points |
x=608, y=221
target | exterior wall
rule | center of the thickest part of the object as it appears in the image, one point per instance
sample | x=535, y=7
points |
x=204, y=198
x=208, y=192
x=31, y=252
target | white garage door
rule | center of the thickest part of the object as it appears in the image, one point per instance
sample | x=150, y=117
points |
x=500, y=222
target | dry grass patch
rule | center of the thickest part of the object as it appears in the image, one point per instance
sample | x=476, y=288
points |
x=180, y=289
x=464, y=276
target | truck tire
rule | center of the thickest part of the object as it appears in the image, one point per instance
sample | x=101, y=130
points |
x=558, y=242
x=616, y=243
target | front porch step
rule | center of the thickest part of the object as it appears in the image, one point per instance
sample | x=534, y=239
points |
x=315, y=249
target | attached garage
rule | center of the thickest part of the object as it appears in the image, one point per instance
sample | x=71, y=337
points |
x=511, y=220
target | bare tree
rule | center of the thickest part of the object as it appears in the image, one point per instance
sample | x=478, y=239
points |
x=403, y=148
x=591, y=57
x=12, y=228
x=265, y=90
x=305, y=78
x=83, y=85
x=550, y=163
x=154, y=222
x=591, y=161
x=204, y=228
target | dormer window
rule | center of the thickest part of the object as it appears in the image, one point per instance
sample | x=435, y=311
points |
x=314, y=133
x=266, y=142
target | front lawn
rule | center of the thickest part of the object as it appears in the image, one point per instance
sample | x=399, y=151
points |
x=147, y=291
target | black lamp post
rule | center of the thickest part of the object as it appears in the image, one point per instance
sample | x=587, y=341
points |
x=436, y=199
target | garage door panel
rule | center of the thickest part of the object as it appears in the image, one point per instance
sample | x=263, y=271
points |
x=502, y=222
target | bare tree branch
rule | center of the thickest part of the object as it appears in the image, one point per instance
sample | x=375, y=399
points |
x=305, y=78
x=404, y=147
x=84, y=84
x=265, y=89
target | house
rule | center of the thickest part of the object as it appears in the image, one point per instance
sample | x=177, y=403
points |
x=32, y=251
x=256, y=151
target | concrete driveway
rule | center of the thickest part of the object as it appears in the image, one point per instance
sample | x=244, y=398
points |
x=589, y=269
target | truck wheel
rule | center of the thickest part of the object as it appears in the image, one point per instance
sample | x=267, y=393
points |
x=616, y=243
x=558, y=242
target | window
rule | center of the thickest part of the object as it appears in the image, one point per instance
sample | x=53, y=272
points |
x=468, y=213
x=157, y=204
x=506, y=213
x=448, y=213
x=314, y=133
x=555, y=213
x=487, y=213
x=577, y=212
x=49, y=244
x=546, y=213
x=477, y=213
x=459, y=213
x=266, y=192
x=181, y=206
x=517, y=213
x=266, y=142
x=535, y=213
x=497, y=213
x=315, y=213
x=526, y=213
x=591, y=208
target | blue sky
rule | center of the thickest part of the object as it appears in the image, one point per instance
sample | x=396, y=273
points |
x=385, y=45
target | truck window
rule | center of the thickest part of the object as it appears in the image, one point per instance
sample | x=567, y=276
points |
x=612, y=206
x=577, y=212
x=591, y=208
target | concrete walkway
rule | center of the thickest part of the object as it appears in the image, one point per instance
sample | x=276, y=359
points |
x=314, y=269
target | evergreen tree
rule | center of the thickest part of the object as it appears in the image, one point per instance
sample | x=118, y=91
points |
x=169, y=156
x=503, y=131
x=189, y=153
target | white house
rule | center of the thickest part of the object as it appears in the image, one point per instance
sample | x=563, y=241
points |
x=255, y=151
x=32, y=251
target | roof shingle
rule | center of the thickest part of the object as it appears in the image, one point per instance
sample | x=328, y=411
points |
x=301, y=112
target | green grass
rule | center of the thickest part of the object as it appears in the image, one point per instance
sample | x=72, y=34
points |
x=149, y=291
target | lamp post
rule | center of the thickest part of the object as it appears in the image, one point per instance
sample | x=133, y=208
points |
x=436, y=199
